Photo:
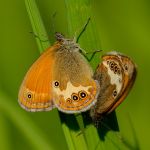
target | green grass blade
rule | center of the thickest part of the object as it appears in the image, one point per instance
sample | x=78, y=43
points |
x=4, y=136
x=78, y=12
x=33, y=134
x=74, y=138
x=37, y=25
x=38, y=28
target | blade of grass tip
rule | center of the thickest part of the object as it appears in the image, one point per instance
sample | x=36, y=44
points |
x=37, y=25
x=33, y=134
x=78, y=12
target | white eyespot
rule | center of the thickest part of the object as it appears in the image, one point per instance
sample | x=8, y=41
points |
x=82, y=94
x=29, y=96
x=74, y=97
x=56, y=84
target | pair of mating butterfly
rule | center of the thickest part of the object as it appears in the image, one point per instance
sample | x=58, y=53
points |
x=62, y=78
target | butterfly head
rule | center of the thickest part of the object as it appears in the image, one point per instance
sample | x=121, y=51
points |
x=67, y=44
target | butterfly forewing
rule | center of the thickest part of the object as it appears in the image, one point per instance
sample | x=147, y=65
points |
x=35, y=92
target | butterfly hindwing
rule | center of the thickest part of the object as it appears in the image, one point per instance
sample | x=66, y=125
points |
x=130, y=72
x=116, y=75
x=76, y=90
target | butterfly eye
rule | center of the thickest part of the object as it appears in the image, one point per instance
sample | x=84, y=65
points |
x=82, y=94
x=114, y=93
x=29, y=96
x=56, y=83
x=74, y=97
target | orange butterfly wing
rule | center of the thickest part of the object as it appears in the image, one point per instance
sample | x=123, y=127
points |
x=36, y=90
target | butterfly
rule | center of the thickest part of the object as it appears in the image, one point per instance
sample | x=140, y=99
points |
x=116, y=75
x=60, y=78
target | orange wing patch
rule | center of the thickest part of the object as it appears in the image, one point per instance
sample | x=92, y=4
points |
x=36, y=90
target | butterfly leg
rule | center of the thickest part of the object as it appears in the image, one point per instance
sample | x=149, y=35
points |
x=37, y=36
x=86, y=53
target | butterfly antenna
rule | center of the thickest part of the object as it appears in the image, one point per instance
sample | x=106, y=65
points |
x=37, y=36
x=53, y=22
x=83, y=29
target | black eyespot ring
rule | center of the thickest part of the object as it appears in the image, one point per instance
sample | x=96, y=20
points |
x=114, y=93
x=82, y=94
x=112, y=65
x=29, y=95
x=56, y=83
x=74, y=97
x=126, y=67
x=115, y=69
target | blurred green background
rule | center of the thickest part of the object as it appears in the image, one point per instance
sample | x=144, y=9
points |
x=122, y=25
